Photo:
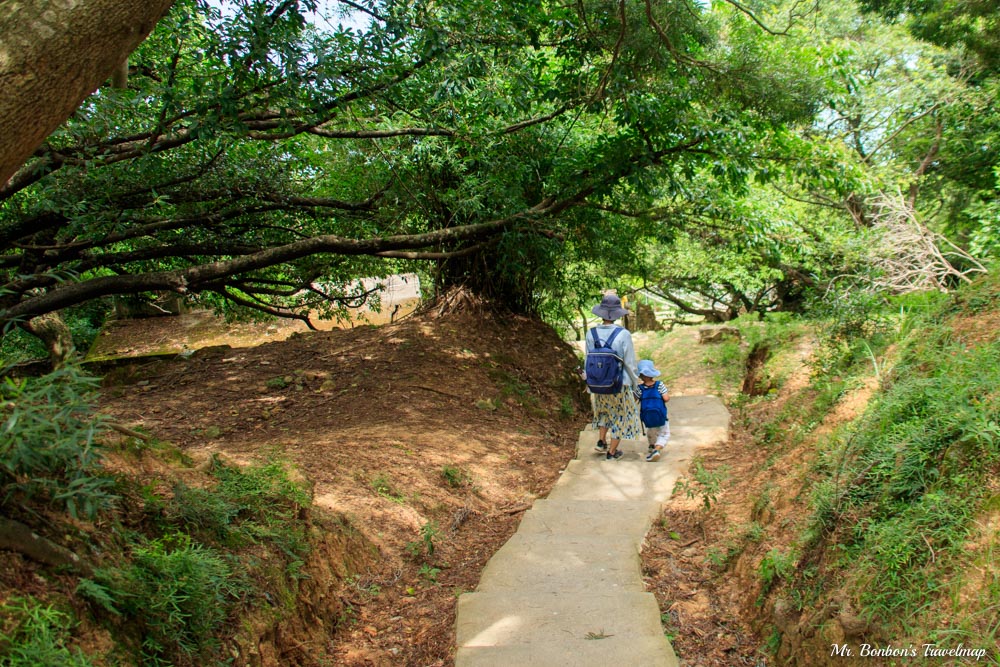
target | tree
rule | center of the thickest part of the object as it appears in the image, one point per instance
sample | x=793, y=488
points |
x=54, y=55
x=259, y=161
x=970, y=23
x=959, y=175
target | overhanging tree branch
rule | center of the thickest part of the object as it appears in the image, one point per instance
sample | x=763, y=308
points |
x=195, y=278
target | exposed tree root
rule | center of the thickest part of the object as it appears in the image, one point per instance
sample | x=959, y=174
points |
x=456, y=300
x=15, y=536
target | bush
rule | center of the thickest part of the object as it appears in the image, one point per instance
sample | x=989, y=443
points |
x=857, y=323
x=265, y=490
x=901, y=490
x=774, y=567
x=179, y=595
x=174, y=594
x=456, y=477
x=204, y=511
x=247, y=505
x=47, y=441
x=33, y=635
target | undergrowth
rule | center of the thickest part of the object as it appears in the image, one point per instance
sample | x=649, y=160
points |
x=729, y=358
x=178, y=564
x=898, y=497
x=902, y=488
x=36, y=634
x=895, y=516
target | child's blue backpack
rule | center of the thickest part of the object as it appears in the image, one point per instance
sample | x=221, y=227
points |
x=603, y=367
x=652, y=409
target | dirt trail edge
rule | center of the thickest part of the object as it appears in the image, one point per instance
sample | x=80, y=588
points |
x=568, y=587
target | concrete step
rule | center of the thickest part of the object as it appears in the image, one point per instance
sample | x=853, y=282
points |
x=569, y=621
x=634, y=449
x=645, y=652
x=570, y=564
x=630, y=478
x=590, y=517
x=694, y=420
x=567, y=589
x=698, y=420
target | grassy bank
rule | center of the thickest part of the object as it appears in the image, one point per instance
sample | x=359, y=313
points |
x=138, y=557
x=858, y=501
x=890, y=533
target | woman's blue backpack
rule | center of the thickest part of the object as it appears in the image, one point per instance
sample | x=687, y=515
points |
x=652, y=409
x=604, y=367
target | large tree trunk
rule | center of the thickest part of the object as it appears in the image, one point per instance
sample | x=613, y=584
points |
x=487, y=274
x=54, y=54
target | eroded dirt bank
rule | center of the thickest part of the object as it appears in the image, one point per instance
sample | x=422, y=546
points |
x=430, y=435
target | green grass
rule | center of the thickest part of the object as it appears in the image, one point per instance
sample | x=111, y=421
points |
x=900, y=502
x=423, y=549
x=180, y=594
x=455, y=476
x=383, y=485
x=774, y=567
x=206, y=555
x=896, y=496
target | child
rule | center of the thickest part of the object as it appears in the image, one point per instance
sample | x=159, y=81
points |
x=653, y=397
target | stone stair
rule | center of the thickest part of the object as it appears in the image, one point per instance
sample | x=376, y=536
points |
x=567, y=588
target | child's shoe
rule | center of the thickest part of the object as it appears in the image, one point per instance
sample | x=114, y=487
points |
x=654, y=455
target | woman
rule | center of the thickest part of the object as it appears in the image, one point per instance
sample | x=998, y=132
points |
x=616, y=416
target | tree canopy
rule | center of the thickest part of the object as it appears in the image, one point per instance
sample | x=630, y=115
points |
x=259, y=154
x=264, y=155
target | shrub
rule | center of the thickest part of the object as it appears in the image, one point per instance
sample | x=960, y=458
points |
x=456, y=477
x=248, y=504
x=47, y=441
x=705, y=483
x=424, y=548
x=265, y=491
x=899, y=493
x=775, y=566
x=33, y=635
x=178, y=594
x=204, y=511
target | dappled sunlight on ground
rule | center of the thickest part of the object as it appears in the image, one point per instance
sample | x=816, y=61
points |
x=427, y=431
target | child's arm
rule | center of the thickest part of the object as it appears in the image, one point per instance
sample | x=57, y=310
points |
x=665, y=393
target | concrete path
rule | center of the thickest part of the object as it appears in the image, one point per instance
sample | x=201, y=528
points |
x=567, y=588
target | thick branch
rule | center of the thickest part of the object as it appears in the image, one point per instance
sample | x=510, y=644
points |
x=193, y=279
x=381, y=134
x=401, y=254
x=259, y=122
x=54, y=54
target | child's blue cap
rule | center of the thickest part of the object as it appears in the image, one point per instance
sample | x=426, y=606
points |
x=647, y=368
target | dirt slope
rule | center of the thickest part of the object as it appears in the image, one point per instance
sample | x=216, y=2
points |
x=430, y=433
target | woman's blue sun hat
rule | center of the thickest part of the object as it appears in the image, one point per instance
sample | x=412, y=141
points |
x=610, y=308
x=647, y=368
